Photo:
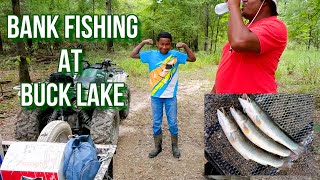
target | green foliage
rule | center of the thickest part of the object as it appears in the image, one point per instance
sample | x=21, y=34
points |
x=203, y=59
x=303, y=21
x=299, y=72
x=184, y=19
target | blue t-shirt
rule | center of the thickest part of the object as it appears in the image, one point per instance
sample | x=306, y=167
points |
x=163, y=69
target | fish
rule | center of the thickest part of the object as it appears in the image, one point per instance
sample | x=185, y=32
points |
x=245, y=147
x=256, y=136
x=268, y=126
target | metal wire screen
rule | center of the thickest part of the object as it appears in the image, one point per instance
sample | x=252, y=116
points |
x=292, y=113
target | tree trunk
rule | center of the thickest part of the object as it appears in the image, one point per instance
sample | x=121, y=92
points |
x=30, y=48
x=154, y=15
x=23, y=65
x=93, y=4
x=1, y=46
x=206, y=29
x=317, y=42
x=110, y=42
x=211, y=37
x=216, y=39
x=195, y=43
x=317, y=37
x=310, y=37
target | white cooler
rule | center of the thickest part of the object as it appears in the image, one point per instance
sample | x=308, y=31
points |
x=29, y=160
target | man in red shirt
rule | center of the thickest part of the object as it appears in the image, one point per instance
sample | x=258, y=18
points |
x=250, y=58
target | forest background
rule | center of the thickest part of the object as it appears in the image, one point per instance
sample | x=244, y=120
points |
x=192, y=22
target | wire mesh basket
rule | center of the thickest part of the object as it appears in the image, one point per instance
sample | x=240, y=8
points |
x=293, y=113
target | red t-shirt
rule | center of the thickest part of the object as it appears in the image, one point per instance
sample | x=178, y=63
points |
x=248, y=72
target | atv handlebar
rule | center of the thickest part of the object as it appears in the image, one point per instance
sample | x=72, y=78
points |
x=105, y=64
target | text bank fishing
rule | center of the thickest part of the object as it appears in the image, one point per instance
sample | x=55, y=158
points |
x=75, y=26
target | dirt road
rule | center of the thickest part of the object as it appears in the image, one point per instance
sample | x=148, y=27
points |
x=135, y=141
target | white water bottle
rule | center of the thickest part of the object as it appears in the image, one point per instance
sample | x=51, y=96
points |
x=221, y=8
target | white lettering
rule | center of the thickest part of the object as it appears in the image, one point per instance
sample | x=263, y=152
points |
x=25, y=92
x=51, y=88
x=64, y=61
x=117, y=94
x=51, y=26
x=63, y=96
x=25, y=27
x=39, y=99
x=93, y=95
x=13, y=22
x=67, y=26
x=105, y=94
x=134, y=28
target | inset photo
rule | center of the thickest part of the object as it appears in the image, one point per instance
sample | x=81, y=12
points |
x=263, y=134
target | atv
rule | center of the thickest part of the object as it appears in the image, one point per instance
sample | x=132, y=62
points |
x=101, y=124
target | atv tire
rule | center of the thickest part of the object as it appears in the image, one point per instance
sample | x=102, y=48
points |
x=124, y=113
x=105, y=126
x=55, y=131
x=27, y=125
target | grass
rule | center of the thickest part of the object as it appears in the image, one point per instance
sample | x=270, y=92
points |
x=316, y=128
x=299, y=72
x=316, y=132
x=10, y=104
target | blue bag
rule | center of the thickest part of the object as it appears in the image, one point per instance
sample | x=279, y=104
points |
x=80, y=159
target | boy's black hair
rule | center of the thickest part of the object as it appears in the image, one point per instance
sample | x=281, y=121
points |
x=164, y=35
